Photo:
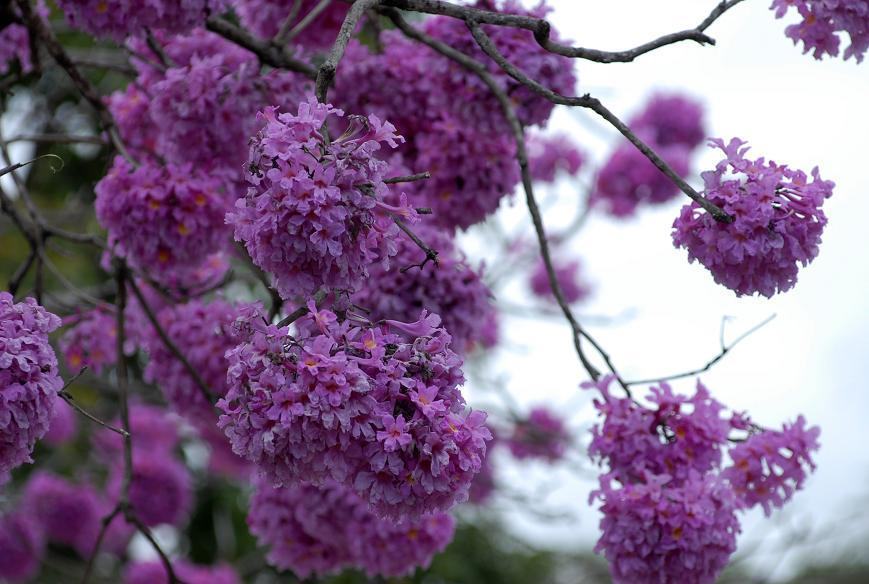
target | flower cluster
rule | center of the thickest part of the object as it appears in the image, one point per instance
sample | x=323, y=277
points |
x=540, y=435
x=453, y=124
x=90, y=341
x=165, y=220
x=202, y=332
x=312, y=530
x=15, y=41
x=29, y=380
x=376, y=408
x=672, y=125
x=67, y=514
x=264, y=17
x=64, y=424
x=573, y=287
x=117, y=19
x=22, y=545
x=669, y=497
x=550, y=155
x=823, y=20
x=154, y=572
x=310, y=216
x=450, y=287
x=777, y=222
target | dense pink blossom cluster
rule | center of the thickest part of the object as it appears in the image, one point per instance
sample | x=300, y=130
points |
x=90, y=341
x=444, y=113
x=314, y=213
x=165, y=220
x=672, y=125
x=29, y=380
x=202, y=332
x=312, y=530
x=22, y=545
x=823, y=21
x=265, y=17
x=377, y=408
x=154, y=572
x=542, y=434
x=777, y=222
x=117, y=19
x=549, y=155
x=668, y=494
x=567, y=273
x=450, y=287
x=15, y=41
x=68, y=514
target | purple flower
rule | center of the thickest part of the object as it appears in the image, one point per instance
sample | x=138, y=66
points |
x=394, y=435
x=549, y=155
x=161, y=490
x=671, y=119
x=64, y=424
x=22, y=545
x=90, y=342
x=541, y=435
x=155, y=573
x=777, y=223
x=117, y=19
x=823, y=21
x=15, y=41
x=29, y=380
x=573, y=287
x=264, y=17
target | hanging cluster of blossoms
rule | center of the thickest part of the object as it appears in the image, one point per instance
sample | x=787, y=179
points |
x=118, y=19
x=164, y=220
x=90, y=340
x=672, y=125
x=265, y=17
x=321, y=530
x=314, y=214
x=821, y=23
x=376, y=408
x=551, y=155
x=29, y=380
x=453, y=124
x=777, y=222
x=450, y=287
x=573, y=287
x=669, y=497
x=542, y=434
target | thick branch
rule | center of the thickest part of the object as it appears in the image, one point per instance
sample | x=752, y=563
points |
x=268, y=53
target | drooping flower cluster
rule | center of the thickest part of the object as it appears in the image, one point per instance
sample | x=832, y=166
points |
x=376, y=408
x=117, y=19
x=672, y=125
x=22, y=545
x=549, y=155
x=450, y=287
x=90, y=341
x=29, y=380
x=202, y=332
x=67, y=514
x=823, y=21
x=314, y=214
x=542, y=435
x=453, y=124
x=777, y=222
x=264, y=18
x=573, y=287
x=154, y=572
x=669, y=497
x=165, y=220
x=15, y=41
x=312, y=530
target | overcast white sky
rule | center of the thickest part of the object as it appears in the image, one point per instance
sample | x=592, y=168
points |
x=812, y=358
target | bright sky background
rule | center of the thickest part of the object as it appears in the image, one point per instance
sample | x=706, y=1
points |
x=811, y=359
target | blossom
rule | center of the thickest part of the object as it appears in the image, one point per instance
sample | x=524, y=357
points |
x=312, y=530
x=22, y=545
x=340, y=405
x=116, y=19
x=64, y=424
x=567, y=273
x=310, y=216
x=161, y=489
x=15, y=41
x=163, y=219
x=542, y=434
x=777, y=222
x=154, y=572
x=822, y=25
x=653, y=532
x=90, y=341
x=29, y=380
x=68, y=514
x=671, y=119
x=771, y=465
x=549, y=155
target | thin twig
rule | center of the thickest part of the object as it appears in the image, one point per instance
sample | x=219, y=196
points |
x=306, y=21
x=67, y=397
x=279, y=38
x=106, y=521
x=431, y=255
x=408, y=178
x=302, y=310
x=17, y=165
x=56, y=139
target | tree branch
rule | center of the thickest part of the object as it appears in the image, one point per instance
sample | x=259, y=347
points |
x=326, y=72
x=268, y=53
